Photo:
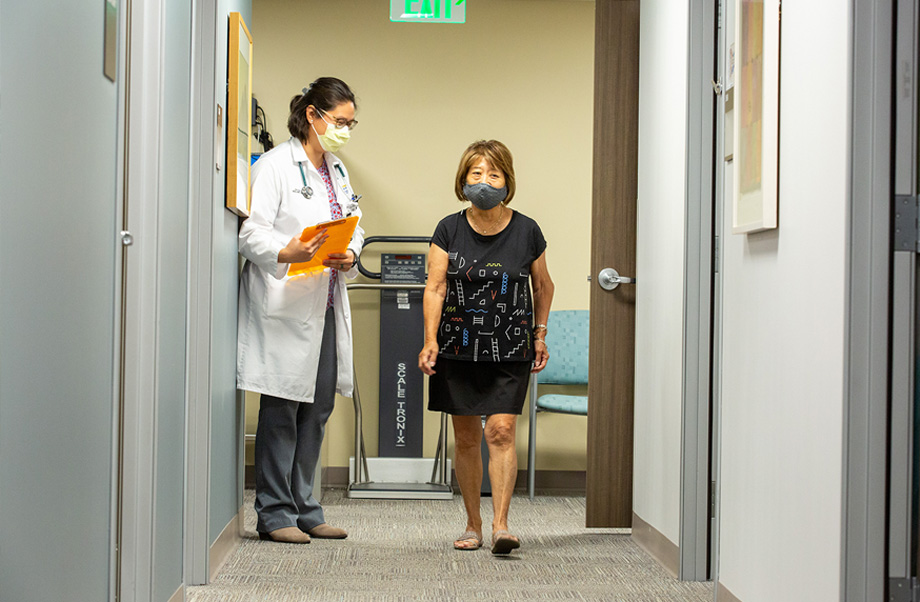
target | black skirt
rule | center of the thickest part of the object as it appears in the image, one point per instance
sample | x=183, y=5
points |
x=464, y=388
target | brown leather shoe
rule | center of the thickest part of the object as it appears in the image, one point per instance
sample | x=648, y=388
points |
x=327, y=531
x=286, y=535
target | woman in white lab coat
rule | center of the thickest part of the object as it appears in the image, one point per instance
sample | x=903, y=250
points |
x=295, y=339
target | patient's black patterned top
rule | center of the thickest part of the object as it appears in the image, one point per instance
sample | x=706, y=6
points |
x=488, y=311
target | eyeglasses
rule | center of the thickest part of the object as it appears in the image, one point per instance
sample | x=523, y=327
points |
x=341, y=122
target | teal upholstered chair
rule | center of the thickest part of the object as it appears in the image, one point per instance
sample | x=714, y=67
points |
x=567, y=341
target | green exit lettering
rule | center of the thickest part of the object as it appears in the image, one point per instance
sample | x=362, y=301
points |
x=428, y=9
x=431, y=11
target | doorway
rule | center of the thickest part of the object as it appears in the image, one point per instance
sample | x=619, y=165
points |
x=542, y=110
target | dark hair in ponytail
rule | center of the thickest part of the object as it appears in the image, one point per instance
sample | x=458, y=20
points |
x=326, y=93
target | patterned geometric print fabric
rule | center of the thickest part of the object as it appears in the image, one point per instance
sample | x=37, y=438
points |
x=487, y=314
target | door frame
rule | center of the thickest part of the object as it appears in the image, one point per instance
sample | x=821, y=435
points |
x=902, y=539
x=696, y=489
x=204, y=150
x=140, y=107
x=118, y=378
x=866, y=368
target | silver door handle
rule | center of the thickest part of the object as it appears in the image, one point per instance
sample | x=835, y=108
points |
x=609, y=279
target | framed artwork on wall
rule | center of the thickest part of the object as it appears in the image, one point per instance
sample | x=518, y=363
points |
x=239, y=116
x=756, y=116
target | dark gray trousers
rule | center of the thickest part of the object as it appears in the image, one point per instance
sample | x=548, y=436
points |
x=288, y=442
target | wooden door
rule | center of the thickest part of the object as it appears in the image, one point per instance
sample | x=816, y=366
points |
x=613, y=245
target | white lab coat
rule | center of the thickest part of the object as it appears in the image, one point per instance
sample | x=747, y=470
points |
x=281, y=316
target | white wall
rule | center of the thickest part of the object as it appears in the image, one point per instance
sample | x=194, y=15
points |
x=783, y=324
x=660, y=263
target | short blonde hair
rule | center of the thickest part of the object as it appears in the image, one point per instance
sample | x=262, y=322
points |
x=498, y=156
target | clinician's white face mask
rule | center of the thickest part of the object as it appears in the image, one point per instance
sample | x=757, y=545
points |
x=335, y=136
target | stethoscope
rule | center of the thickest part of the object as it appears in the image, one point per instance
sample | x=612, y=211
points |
x=306, y=191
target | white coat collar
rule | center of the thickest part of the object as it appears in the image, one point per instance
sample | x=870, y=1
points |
x=299, y=155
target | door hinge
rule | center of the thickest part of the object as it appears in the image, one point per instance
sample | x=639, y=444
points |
x=903, y=589
x=712, y=499
x=715, y=253
x=906, y=225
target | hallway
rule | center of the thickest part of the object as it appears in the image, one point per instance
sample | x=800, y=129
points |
x=775, y=397
x=400, y=550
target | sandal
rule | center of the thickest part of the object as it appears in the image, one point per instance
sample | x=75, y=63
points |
x=503, y=542
x=468, y=536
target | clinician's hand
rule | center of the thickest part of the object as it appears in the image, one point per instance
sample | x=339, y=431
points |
x=298, y=251
x=428, y=357
x=541, y=355
x=340, y=261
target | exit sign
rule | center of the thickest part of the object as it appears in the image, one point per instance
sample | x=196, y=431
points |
x=428, y=11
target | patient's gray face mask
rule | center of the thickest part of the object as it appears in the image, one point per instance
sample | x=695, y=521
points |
x=483, y=196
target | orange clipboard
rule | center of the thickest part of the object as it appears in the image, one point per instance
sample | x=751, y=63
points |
x=339, y=231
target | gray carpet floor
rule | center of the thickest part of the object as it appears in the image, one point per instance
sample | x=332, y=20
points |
x=402, y=550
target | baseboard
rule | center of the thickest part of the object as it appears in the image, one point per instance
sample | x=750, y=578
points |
x=179, y=596
x=554, y=482
x=225, y=544
x=657, y=545
x=335, y=477
x=724, y=595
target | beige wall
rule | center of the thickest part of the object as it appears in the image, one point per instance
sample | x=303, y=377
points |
x=520, y=71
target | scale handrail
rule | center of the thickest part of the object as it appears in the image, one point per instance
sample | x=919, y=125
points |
x=378, y=239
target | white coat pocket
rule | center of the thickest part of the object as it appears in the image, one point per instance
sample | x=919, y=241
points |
x=297, y=298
